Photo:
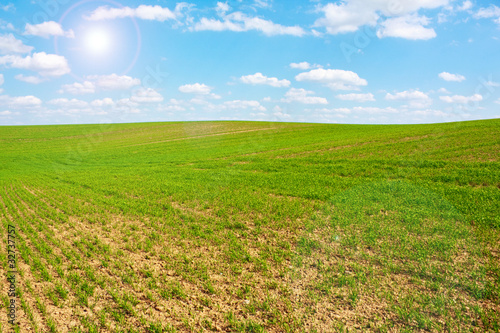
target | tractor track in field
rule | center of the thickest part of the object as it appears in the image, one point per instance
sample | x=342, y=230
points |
x=199, y=137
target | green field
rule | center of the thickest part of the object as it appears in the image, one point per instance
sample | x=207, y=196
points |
x=253, y=227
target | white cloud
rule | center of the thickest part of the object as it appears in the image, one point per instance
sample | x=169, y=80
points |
x=443, y=91
x=408, y=27
x=20, y=101
x=145, y=12
x=102, y=102
x=350, y=15
x=47, y=29
x=345, y=17
x=78, y=88
x=239, y=104
x=374, y=110
x=302, y=96
x=461, y=99
x=29, y=79
x=336, y=79
x=6, y=25
x=343, y=112
x=68, y=103
x=43, y=63
x=466, y=5
x=301, y=65
x=222, y=8
x=304, y=65
x=172, y=107
x=259, y=78
x=9, y=44
x=335, y=110
x=497, y=101
x=430, y=112
x=100, y=82
x=196, y=88
x=280, y=115
x=7, y=7
x=1, y=79
x=492, y=84
x=239, y=22
x=114, y=81
x=491, y=11
x=415, y=98
x=451, y=77
x=262, y=3
x=146, y=95
x=357, y=97
x=127, y=105
x=5, y=113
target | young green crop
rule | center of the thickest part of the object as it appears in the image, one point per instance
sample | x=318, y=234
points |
x=253, y=226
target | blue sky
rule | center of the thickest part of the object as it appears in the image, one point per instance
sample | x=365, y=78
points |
x=352, y=61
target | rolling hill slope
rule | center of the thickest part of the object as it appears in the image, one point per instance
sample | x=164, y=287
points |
x=250, y=226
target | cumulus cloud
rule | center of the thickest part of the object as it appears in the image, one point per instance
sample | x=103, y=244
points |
x=466, y=5
x=78, y=88
x=200, y=89
x=114, y=81
x=20, y=102
x=146, y=95
x=430, y=112
x=335, y=110
x=345, y=17
x=489, y=12
x=1, y=79
x=335, y=79
x=458, y=99
x=415, y=98
x=350, y=15
x=408, y=27
x=9, y=44
x=240, y=22
x=278, y=113
x=68, y=103
x=222, y=8
x=302, y=96
x=374, y=110
x=93, y=83
x=451, y=77
x=29, y=79
x=196, y=88
x=259, y=78
x=145, y=12
x=301, y=65
x=362, y=110
x=47, y=29
x=7, y=7
x=443, y=91
x=492, y=84
x=239, y=104
x=262, y=3
x=357, y=97
x=304, y=65
x=102, y=102
x=43, y=63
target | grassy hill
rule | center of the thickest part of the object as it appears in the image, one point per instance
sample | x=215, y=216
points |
x=252, y=226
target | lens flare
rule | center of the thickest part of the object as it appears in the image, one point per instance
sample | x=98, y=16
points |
x=97, y=41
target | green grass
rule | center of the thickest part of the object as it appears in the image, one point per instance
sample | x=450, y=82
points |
x=254, y=227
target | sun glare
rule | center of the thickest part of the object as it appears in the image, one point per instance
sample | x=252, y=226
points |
x=97, y=41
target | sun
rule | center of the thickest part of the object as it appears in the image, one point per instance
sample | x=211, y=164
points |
x=97, y=41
